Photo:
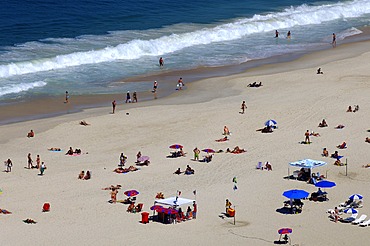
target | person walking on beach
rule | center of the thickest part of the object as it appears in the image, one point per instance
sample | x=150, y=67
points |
x=114, y=104
x=307, y=136
x=29, y=161
x=155, y=86
x=134, y=97
x=161, y=62
x=334, y=42
x=180, y=84
x=67, y=97
x=196, y=154
x=243, y=107
x=276, y=34
x=38, y=160
x=128, y=97
x=9, y=165
x=42, y=169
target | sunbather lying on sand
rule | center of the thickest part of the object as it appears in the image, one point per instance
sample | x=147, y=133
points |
x=55, y=149
x=315, y=134
x=125, y=170
x=4, y=211
x=339, y=126
x=29, y=221
x=112, y=187
x=342, y=146
x=159, y=195
x=367, y=140
x=238, y=150
x=178, y=171
x=366, y=166
x=84, y=123
x=222, y=139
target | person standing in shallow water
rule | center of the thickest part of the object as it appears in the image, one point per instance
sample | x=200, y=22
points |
x=276, y=34
x=161, y=62
x=134, y=97
x=334, y=42
x=67, y=97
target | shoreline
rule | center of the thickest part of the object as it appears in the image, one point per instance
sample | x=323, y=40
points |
x=47, y=107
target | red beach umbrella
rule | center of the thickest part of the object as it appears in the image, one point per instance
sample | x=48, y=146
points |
x=176, y=146
x=285, y=231
x=208, y=150
x=131, y=193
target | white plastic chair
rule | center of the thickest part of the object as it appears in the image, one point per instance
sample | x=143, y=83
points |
x=359, y=220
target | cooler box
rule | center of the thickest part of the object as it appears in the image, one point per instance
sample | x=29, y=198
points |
x=144, y=217
x=231, y=212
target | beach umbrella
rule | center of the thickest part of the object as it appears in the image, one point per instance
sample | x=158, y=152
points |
x=176, y=146
x=208, y=150
x=131, y=193
x=143, y=158
x=156, y=207
x=325, y=184
x=296, y=194
x=285, y=231
x=270, y=123
x=350, y=211
x=356, y=197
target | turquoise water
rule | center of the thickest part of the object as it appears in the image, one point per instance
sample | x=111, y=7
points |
x=84, y=46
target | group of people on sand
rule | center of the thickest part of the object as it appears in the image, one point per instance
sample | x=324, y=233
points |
x=84, y=176
x=72, y=152
x=179, y=153
x=255, y=84
x=128, y=97
x=188, y=171
x=356, y=108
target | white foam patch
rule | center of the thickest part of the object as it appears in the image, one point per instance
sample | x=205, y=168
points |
x=16, y=88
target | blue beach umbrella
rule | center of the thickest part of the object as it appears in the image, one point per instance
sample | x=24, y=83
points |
x=296, y=194
x=270, y=123
x=350, y=211
x=325, y=184
x=356, y=197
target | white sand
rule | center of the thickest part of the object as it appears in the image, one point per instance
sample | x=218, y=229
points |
x=292, y=94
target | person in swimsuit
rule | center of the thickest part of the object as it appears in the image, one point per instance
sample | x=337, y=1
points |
x=276, y=34
x=161, y=62
x=243, y=107
x=134, y=96
x=334, y=42
x=307, y=136
x=67, y=97
x=29, y=161
x=114, y=104
x=128, y=97
x=289, y=34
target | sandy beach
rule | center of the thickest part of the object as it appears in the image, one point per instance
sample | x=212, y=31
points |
x=292, y=94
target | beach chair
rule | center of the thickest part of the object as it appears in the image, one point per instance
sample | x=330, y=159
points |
x=359, y=220
x=139, y=207
x=349, y=219
x=365, y=223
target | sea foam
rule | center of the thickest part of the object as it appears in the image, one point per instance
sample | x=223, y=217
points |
x=137, y=48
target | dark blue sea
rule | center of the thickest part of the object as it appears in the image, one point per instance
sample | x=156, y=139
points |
x=84, y=46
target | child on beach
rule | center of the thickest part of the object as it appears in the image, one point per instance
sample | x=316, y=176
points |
x=9, y=164
x=243, y=107
x=42, y=168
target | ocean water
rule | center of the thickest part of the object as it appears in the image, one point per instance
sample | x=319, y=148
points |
x=84, y=46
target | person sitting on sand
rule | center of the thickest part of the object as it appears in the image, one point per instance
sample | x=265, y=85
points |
x=356, y=108
x=207, y=158
x=222, y=139
x=319, y=71
x=138, y=155
x=70, y=151
x=31, y=134
x=131, y=207
x=323, y=123
x=55, y=149
x=349, y=109
x=226, y=131
x=87, y=176
x=83, y=123
x=340, y=126
x=181, y=152
x=159, y=195
x=268, y=166
x=267, y=129
x=178, y=171
x=77, y=151
x=367, y=140
x=325, y=152
x=342, y=146
x=81, y=175
x=189, y=170
x=237, y=150
x=338, y=163
x=252, y=84
x=335, y=155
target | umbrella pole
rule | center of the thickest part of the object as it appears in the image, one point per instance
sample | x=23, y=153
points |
x=346, y=166
x=234, y=214
x=288, y=173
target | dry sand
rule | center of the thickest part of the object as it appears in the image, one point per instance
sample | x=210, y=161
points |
x=292, y=94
